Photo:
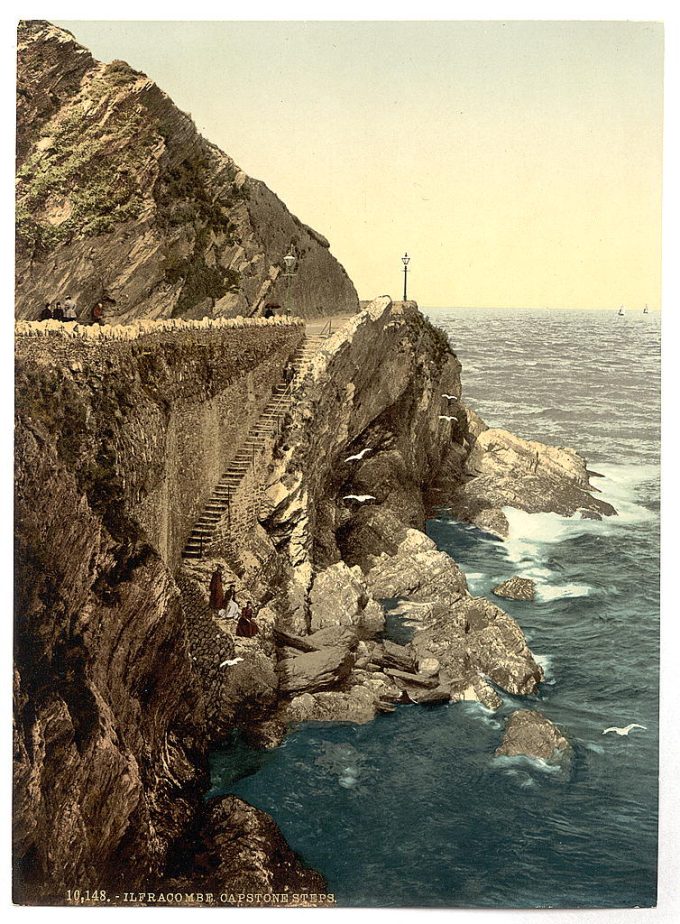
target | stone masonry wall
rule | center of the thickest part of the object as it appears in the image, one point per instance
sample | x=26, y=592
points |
x=155, y=411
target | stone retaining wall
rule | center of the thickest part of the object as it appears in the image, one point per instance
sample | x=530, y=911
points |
x=152, y=412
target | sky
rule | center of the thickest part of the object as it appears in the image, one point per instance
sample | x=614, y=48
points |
x=519, y=163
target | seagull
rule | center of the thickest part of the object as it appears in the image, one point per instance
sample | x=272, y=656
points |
x=359, y=498
x=450, y=397
x=230, y=662
x=623, y=731
x=447, y=417
x=358, y=457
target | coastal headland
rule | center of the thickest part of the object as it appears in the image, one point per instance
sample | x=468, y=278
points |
x=122, y=677
x=300, y=453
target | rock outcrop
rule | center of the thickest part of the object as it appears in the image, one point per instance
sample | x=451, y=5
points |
x=241, y=853
x=504, y=470
x=120, y=200
x=530, y=734
x=516, y=588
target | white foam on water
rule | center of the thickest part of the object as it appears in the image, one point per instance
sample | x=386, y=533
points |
x=520, y=763
x=546, y=592
x=545, y=661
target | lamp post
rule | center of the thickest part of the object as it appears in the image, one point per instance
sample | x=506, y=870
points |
x=290, y=261
x=405, y=260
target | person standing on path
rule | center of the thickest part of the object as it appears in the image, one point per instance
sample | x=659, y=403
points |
x=70, y=313
x=217, y=590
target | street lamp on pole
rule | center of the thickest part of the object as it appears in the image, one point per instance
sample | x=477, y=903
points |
x=290, y=261
x=405, y=260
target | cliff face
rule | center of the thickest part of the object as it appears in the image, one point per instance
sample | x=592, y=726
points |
x=123, y=674
x=119, y=435
x=120, y=199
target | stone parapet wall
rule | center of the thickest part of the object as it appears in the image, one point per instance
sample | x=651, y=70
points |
x=145, y=328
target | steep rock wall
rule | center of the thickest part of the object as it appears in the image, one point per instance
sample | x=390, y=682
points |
x=119, y=198
x=375, y=389
x=110, y=729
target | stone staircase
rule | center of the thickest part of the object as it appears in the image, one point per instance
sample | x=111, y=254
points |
x=269, y=422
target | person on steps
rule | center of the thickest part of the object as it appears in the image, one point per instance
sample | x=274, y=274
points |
x=246, y=626
x=217, y=590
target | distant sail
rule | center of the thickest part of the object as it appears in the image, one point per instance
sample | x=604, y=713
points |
x=645, y=310
x=621, y=311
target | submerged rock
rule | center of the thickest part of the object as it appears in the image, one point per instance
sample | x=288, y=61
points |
x=516, y=588
x=530, y=734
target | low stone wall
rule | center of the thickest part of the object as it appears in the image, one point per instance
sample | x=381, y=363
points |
x=145, y=328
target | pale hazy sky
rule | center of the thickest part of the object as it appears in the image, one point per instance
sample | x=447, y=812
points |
x=518, y=163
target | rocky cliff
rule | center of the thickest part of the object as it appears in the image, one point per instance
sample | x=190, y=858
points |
x=118, y=430
x=123, y=674
x=119, y=199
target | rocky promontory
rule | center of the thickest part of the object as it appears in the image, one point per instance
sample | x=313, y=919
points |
x=504, y=470
x=152, y=453
x=120, y=200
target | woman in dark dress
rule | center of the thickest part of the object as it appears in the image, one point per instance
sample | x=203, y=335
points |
x=217, y=589
x=246, y=626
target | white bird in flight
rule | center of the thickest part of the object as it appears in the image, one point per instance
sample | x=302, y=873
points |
x=623, y=731
x=358, y=457
x=230, y=662
x=450, y=397
x=360, y=498
x=447, y=417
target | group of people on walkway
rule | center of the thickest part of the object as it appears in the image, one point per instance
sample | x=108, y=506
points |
x=224, y=604
x=60, y=311
x=68, y=311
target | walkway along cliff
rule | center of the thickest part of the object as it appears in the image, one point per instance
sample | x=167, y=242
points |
x=125, y=438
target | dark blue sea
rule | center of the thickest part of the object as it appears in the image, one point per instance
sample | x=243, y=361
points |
x=413, y=809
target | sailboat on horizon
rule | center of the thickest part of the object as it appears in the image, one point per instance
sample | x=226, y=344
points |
x=645, y=310
x=621, y=311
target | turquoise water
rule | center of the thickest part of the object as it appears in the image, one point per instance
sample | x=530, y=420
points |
x=413, y=809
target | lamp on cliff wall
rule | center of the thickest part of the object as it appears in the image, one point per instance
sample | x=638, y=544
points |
x=290, y=261
x=405, y=260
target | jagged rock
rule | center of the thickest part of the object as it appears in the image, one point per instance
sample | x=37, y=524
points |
x=516, y=588
x=358, y=705
x=242, y=851
x=497, y=647
x=416, y=570
x=429, y=697
x=389, y=654
x=334, y=637
x=339, y=597
x=475, y=638
x=315, y=670
x=403, y=678
x=507, y=471
x=250, y=686
x=167, y=224
x=530, y=734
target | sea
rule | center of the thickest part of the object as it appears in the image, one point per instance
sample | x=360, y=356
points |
x=413, y=809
